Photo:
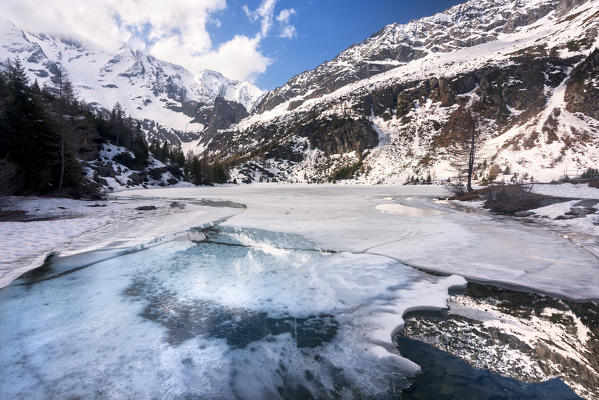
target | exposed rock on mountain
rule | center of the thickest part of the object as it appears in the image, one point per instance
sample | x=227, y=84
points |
x=520, y=75
x=582, y=93
x=465, y=25
x=222, y=115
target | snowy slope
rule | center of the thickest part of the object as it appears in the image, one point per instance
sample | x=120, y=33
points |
x=524, y=72
x=462, y=26
x=147, y=87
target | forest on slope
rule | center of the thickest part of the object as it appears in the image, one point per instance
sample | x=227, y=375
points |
x=49, y=138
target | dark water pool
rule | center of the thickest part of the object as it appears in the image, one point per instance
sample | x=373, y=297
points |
x=446, y=377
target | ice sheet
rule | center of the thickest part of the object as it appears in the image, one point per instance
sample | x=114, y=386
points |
x=576, y=191
x=214, y=320
x=70, y=226
x=478, y=246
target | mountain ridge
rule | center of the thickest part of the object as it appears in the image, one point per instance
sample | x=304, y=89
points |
x=147, y=87
x=415, y=108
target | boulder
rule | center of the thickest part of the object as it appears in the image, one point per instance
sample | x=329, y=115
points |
x=146, y=208
x=581, y=211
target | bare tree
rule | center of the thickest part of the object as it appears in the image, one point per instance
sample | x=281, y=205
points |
x=471, y=154
x=465, y=140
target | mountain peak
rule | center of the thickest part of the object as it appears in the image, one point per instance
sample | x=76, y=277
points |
x=147, y=87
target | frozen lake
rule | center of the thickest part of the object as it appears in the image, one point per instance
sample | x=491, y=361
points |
x=245, y=314
x=296, y=294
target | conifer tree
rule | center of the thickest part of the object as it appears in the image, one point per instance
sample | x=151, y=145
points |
x=64, y=98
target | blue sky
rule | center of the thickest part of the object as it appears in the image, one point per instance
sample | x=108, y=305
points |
x=324, y=29
x=263, y=41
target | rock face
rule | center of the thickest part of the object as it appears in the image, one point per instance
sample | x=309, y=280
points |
x=224, y=114
x=466, y=25
x=582, y=93
x=338, y=136
x=525, y=336
x=519, y=76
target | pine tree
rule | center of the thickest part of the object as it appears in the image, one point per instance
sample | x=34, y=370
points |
x=116, y=122
x=31, y=141
x=65, y=95
x=164, y=152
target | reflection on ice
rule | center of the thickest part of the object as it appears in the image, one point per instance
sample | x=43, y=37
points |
x=245, y=313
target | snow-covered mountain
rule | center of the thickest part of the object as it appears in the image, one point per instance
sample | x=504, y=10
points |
x=465, y=25
x=149, y=89
x=521, y=74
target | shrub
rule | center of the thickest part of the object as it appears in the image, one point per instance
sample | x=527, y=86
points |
x=509, y=199
x=129, y=161
x=494, y=172
x=456, y=189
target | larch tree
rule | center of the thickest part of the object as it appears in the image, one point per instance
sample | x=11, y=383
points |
x=464, y=144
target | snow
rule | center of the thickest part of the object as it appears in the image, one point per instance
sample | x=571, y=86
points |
x=555, y=210
x=139, y=82
x=577, y=191
x=535, y=330
x=556, y=219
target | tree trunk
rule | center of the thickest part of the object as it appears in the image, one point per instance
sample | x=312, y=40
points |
x=61, y=179
x=471, y=162
x=61, y=127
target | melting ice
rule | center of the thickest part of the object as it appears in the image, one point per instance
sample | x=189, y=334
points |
x=246, y=313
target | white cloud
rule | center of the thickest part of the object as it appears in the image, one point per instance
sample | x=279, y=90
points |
x=266, y=15
x=176, y=31
x=286, y=29
x=288, y=32
x=285, y=14
x=240, y=58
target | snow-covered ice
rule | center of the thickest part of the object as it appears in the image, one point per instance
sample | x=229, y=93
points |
x=400, y=222
x=576, y=191
x=419, y=231
x=70, y=227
